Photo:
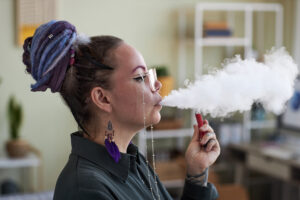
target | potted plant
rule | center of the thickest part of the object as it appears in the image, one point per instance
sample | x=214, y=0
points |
x=166, y=80
x=15, y=146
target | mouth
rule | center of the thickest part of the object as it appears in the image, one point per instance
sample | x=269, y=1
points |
x=158, y=102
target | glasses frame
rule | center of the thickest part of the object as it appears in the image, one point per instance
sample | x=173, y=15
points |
x=152, y=79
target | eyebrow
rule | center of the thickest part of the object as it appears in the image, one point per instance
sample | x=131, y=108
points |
x=140, y=66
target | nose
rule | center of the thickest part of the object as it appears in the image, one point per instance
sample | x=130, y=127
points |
x=157, y=85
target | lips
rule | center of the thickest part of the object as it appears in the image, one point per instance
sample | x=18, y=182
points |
x=158, y=102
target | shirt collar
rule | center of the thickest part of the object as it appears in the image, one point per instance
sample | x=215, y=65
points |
x=98, y=154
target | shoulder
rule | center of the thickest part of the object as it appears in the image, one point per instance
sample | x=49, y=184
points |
x=81, y=177
x=90, y=175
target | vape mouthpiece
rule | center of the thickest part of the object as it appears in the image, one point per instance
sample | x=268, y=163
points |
x=199, y=119
x=200, y=123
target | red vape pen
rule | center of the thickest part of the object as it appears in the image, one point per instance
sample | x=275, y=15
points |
x=200, y=123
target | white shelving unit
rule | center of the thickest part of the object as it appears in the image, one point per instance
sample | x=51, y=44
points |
x=246, y=41
x=29, y=161
x=176, y=133
x=200, y=42
x=223, y=42
x=26, y=165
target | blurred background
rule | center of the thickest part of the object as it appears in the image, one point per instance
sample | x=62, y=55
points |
x=260, y=151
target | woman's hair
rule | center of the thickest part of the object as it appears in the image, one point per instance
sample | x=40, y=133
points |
x=60, y=60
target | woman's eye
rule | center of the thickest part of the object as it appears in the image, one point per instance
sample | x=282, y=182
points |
x=140, y=78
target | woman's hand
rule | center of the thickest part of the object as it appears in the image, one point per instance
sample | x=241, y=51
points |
x=198, y=157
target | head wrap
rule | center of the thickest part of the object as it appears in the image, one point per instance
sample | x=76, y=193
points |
x=48, y=53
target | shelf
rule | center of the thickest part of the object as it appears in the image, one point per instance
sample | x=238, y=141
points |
x=29, y=161
x=175, y=133
x=29, y=196
x=223, y=41
x=239, y=6
x=263, y=124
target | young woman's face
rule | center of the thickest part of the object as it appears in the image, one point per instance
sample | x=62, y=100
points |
x=131, y=88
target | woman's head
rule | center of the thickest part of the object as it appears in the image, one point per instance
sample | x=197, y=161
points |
x=94, y=75
x=131, y=88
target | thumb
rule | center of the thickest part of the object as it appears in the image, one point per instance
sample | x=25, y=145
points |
x=196, y=136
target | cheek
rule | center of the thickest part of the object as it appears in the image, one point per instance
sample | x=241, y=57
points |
x=128, y=101
x=129, y=104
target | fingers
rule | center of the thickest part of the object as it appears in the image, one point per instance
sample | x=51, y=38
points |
x=211, y=144
x=196, y=133
x=206, y=128
x=209, y=133
x=208, y=136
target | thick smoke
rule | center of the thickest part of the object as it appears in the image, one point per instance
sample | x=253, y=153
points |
x=238, y=85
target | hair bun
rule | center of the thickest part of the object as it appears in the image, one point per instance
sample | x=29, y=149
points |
x=47, y=54
x=26, y=54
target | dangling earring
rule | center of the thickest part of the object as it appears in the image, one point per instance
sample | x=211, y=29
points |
x=110, y=144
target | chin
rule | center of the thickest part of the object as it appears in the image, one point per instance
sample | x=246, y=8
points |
x=156, y=119
x=153, y=118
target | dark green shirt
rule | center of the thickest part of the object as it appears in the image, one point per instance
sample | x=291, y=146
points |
x=91, y=173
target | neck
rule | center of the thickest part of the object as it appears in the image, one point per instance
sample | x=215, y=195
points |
x=122, y=137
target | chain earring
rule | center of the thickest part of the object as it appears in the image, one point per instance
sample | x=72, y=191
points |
x=110, y=144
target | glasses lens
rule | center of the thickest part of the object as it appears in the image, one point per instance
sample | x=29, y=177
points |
x=152, y=78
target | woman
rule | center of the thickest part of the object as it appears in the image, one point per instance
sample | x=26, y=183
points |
x=112, y=95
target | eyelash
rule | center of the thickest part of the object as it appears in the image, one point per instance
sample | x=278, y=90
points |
x=140, y=78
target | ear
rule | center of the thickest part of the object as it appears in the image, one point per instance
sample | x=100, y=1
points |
x=101, y=99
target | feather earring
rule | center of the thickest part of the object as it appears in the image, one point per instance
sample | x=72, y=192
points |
x=110, y=144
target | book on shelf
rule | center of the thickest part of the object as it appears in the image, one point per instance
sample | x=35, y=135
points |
x=216, y=25
x=216, y=29
x=217, y=33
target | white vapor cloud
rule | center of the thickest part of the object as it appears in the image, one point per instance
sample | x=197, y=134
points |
x=238, y=85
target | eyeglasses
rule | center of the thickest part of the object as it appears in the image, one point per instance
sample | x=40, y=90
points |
x=152, y=78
